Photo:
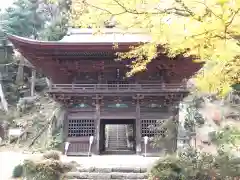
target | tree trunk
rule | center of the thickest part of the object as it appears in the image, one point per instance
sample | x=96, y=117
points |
x=20, y=77
x=33, y=79
x=2, y=96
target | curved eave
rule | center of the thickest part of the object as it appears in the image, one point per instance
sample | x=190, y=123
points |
x=19, y=42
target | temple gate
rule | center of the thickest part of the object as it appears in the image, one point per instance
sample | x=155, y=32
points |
x=99, y=99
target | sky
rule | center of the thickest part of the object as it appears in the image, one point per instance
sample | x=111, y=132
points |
x=5, y=3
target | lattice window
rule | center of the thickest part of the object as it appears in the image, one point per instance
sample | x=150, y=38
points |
x=152, y=127
x=81, y=127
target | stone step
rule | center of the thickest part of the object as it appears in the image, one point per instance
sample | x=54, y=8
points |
x=119, y=140
x=105, y=179
x=119, y=132
x=114, y=137
x=114, y=129
x=111, y=175
x=109, y=169
x=116, y=145
x=119, y=136
x=116, y=148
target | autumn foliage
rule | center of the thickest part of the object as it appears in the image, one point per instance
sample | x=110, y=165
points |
x=209, y=30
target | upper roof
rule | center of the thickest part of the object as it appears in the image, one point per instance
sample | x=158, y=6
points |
x=59, y=59
x=107, y=35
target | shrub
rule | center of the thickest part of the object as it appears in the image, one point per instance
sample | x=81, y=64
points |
x=17, y=171
x=55, y=155
x=42, y=170
x=193, y=165
x=49, y=167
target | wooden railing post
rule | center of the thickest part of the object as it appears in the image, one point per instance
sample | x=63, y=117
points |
x=138, y=125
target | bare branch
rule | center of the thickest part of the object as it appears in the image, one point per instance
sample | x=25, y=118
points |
x=180, y=12
x=209, y=9
x=232, y=19
x=184, y=6
x=101, y=9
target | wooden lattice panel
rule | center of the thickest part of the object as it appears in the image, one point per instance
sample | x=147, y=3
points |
x=149, y=128
x=81, y=127
x=78, y=147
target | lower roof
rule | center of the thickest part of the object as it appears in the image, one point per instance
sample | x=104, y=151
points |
x=84, y=40
x=79, y=37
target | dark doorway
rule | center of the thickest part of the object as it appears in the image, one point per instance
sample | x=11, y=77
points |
x=117, y=136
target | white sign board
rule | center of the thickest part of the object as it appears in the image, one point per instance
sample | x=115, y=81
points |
x=145, y=139
x=15, y=132
x=91, y=140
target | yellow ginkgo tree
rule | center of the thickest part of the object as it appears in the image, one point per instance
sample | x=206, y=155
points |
x=208, y=30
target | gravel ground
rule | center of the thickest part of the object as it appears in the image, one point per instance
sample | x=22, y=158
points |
x=8, y=160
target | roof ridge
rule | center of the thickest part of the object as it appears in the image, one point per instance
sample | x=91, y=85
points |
x=104, y=30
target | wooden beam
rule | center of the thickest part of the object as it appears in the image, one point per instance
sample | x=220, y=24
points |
x=138, y=127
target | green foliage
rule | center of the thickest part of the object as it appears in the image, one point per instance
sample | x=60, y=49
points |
x=193, y=117
x=236, y=87
x=193, y=165
x=58, y=24
x=207, y=30
x=30, y=18
x=37, y=19
x=227, y=135
x=47, y=168
x=57, y=141
x=56, y=30
x=169, y=127
x=24, y=18
x=17, y=171
x=11, y=91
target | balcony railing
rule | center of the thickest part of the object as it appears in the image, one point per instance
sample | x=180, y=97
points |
x=117, y=88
